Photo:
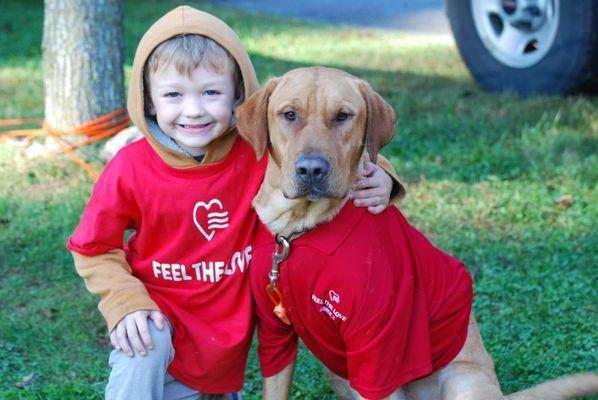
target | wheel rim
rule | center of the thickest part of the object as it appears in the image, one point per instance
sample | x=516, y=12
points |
x=518, y=33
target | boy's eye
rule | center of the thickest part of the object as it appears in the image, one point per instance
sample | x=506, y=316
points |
x=211, y=92
x=172, y=94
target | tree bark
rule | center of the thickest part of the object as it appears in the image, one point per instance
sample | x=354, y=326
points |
x=82, y=50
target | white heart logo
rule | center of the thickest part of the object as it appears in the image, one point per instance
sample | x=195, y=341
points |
x=334, y=296
x=216, y=220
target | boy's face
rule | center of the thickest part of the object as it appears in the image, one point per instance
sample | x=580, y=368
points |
x=193, y=111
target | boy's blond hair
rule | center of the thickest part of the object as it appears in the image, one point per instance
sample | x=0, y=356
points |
x=186, y=53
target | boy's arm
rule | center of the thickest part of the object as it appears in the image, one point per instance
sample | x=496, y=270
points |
x=377, y=186
x=108, y=275
x=398, y=191
x=278, y=387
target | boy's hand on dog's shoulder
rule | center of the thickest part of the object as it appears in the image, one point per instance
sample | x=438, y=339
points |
x=133, y=330
x=372, y=189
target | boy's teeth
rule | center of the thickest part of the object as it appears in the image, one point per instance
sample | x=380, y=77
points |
x=194, y=126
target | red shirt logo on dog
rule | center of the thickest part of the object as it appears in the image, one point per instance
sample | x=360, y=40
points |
x=334, y=296
x=327, y=307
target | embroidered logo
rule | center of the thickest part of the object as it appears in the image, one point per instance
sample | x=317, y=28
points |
x=334, y=296
x=213, y=219
x=326, y=307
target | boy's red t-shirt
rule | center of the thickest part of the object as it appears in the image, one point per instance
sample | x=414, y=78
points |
x=191, y=248
x=369, y=295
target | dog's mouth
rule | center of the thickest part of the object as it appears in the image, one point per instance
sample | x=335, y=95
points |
x=314, y=192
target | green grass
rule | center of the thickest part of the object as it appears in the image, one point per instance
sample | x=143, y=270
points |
x=483, y=173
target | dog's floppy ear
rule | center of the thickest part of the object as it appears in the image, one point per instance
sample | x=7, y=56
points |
x=252, y=118
x=381, y=121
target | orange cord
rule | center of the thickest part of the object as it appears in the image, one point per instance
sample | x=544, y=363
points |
x=94, y=130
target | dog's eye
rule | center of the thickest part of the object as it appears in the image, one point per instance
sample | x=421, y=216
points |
x=341, y=116
x=290, y=115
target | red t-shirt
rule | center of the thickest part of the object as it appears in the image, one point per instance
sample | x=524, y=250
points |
x=191, y=249
x=369, y=295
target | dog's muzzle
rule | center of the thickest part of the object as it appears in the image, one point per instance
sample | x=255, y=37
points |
x=312, y=172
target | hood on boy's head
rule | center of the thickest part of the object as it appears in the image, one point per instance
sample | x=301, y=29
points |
x=184, y=20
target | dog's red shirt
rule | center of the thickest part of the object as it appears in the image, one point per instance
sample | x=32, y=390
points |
x=369, y=295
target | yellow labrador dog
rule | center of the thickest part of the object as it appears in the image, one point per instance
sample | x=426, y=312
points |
x=318, y=125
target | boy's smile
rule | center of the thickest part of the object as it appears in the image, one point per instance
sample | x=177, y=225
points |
x=193, y=110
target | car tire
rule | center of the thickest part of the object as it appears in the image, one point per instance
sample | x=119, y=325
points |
x=563, y=60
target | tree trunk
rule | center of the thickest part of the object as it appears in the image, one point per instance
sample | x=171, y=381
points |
x=82, y=52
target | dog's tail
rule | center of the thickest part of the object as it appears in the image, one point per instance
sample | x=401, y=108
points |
x=567, y=387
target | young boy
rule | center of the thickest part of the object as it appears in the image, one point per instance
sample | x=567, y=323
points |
x=176, y=296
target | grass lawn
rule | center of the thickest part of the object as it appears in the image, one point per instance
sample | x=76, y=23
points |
x=484, y=172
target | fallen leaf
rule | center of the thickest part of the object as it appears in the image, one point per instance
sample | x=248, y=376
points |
x=565, y=201
x=25, y=382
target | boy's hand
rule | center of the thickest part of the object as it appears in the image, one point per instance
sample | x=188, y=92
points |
x=372, y=189
x=133, y=330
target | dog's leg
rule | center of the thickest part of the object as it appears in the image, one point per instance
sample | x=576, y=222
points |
x=340, y=386
x=471, y=375
x=426, y=388
x=343, y=391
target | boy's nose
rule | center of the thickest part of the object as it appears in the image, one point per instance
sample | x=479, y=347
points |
x=193, y=109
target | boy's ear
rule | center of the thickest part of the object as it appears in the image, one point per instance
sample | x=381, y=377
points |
x=151, y=109
x=147, y=97
x=252, y=118
x=381, y=121
x=149, y=105
x=236, y=104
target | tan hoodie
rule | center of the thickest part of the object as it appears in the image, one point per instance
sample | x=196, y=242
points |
x=188, y=20
x=109, y=275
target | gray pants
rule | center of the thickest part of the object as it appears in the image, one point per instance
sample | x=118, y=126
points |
x=146, y=378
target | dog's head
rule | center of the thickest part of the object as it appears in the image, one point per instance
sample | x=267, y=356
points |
x=316, y=122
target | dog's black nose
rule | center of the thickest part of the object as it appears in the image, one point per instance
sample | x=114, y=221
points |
x=312, y=168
